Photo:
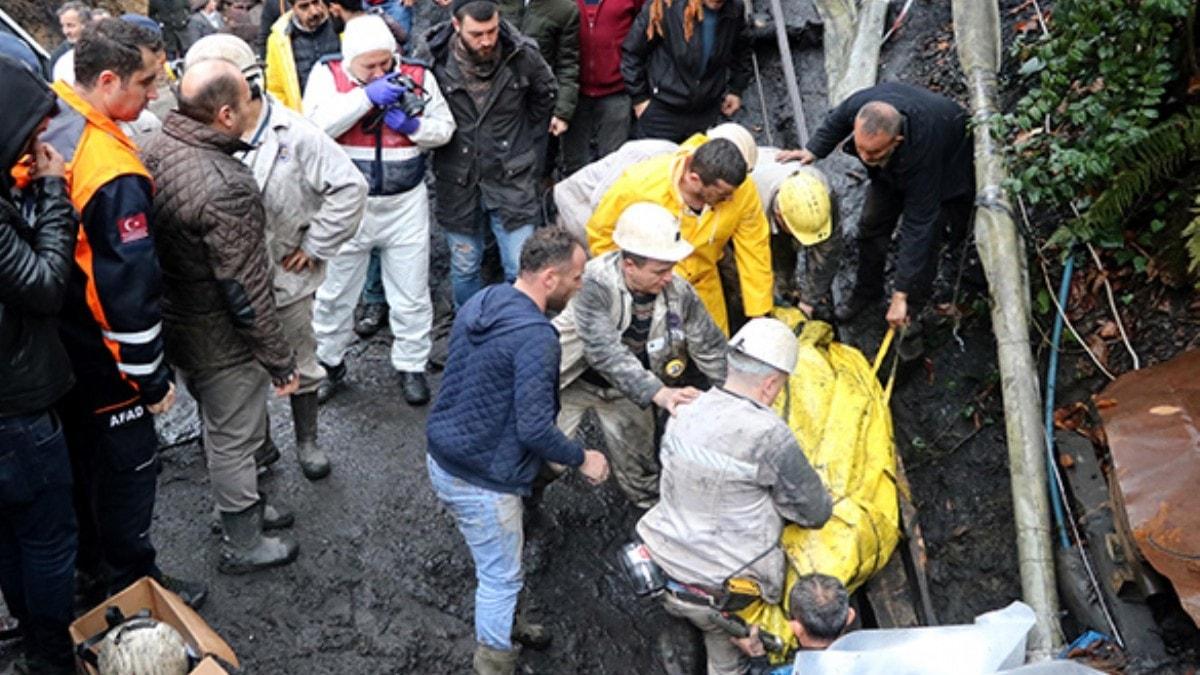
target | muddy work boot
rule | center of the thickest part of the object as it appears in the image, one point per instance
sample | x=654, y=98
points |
x=490, y=661
x=529, y=634
x=193, y=593
x=313, y=462
x=334, y=375
x=245, y=549
x=414, y=387
x=371, y=320
x=274, y=518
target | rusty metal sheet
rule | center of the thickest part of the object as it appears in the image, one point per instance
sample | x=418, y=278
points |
x=1152, y=420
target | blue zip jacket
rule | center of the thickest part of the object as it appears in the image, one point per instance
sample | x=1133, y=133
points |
x=493, y=423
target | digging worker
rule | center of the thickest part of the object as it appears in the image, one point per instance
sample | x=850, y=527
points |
x=685, y=63
x=732, y=474
x=577, y=196
x=297, y=42
x=313, y=196
x=111, y=320
x=626, y=337
x=37, y=522
x=819, y=612
x=492, y=428
x=705, y=190
x=222, y=329
x=502, y=95
x=803, y=211
x=918, y=153
x=386, y=125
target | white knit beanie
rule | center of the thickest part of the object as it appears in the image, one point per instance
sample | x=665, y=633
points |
x=367, y=33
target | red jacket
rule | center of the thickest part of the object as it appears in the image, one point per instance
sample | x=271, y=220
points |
x=602, y=29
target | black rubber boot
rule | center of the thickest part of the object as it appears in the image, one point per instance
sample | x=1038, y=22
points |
x=267, y=454
x=414, y=387
x=193, y=593
x=245, y=549
x=313, y=461
x=332, y=382
x=371, y=320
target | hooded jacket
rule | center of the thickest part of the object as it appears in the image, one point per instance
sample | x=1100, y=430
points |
x=35, y=262
x=493, y=423
x=495, y=152
x=935, y=163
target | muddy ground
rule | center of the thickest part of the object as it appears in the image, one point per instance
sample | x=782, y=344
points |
x=383, y=583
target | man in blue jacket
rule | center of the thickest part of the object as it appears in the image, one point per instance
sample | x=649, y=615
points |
x=492, y=428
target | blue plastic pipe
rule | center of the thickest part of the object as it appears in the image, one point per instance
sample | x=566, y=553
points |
x=1051, y=376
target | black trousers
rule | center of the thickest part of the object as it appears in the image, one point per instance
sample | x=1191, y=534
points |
x=114, y=457
x=880, y=214
x=674, y=124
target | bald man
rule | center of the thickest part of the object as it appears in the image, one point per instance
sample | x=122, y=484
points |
x=917, y=151
x=220, y=322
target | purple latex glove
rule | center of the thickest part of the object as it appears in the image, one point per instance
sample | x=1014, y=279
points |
x=383, y=92
x=400, y=121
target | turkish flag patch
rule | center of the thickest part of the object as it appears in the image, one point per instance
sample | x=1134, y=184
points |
x=132, y=228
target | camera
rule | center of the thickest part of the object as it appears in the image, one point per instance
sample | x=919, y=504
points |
x=412, y=102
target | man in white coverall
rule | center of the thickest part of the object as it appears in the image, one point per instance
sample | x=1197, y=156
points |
x=371, y=102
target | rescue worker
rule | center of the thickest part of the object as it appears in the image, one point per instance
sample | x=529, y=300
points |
x=577, y=196
x=626, y=338
x=366, y=101
x=705, y=189
x=298, y=41
x=222, y=328
x=685, y=63
x=732, y=474
x=314, y=197
x=112, y=318
x=37, y=521
x=803, y=211
x=492, y=428
x=918, y=152
x=502, y=96
x=819, y=612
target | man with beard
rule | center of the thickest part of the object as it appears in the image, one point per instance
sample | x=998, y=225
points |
x=297, y=42
x=501, y=93
x=918, y=153
x=492, y=429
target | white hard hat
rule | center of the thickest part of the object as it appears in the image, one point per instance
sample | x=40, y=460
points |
x=739, y=136
x=651, y=231
x=769, y=341
x=227, y=48
x=143, y=646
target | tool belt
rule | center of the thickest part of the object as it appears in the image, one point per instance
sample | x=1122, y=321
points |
x=736, y=594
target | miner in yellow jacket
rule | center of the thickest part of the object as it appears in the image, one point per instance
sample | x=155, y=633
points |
x=299, y=39
x=715, y=204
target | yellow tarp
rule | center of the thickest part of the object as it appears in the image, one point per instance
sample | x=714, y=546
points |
x=837, y=409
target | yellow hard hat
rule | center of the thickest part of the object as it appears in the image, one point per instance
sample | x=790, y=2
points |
x=803, y=202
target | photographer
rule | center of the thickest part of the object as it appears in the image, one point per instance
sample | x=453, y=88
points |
x=385, y=113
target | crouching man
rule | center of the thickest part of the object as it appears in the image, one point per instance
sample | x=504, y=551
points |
x=732, y=473
x=626, y=338
x=385, y=113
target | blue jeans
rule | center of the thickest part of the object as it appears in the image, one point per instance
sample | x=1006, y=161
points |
x=466, y=254
x=37, y=532
x=491, y=523
x=372, y=292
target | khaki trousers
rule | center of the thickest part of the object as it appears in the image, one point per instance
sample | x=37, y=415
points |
x=628, y=432
x=297, y=320
x=233, y=410
x=724, y=658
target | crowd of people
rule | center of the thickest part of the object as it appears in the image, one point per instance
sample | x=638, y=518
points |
x=228, y=246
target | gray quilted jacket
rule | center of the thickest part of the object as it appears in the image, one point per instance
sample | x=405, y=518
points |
x=218, y=309
x=591, y=326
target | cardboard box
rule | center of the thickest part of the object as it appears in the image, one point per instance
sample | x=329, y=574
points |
x=164, y=606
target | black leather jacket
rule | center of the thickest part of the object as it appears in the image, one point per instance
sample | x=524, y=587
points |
x=35, y=262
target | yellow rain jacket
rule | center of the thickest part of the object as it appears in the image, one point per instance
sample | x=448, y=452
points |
x=282, y=79
x=839, y=414
x=741, y=219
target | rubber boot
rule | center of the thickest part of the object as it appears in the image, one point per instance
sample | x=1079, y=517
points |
x=313, y=461
x=267, y=454
x=490, y=661
x=274, y=518
x=193, y=593
x=529, y=634
x=245, y=549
